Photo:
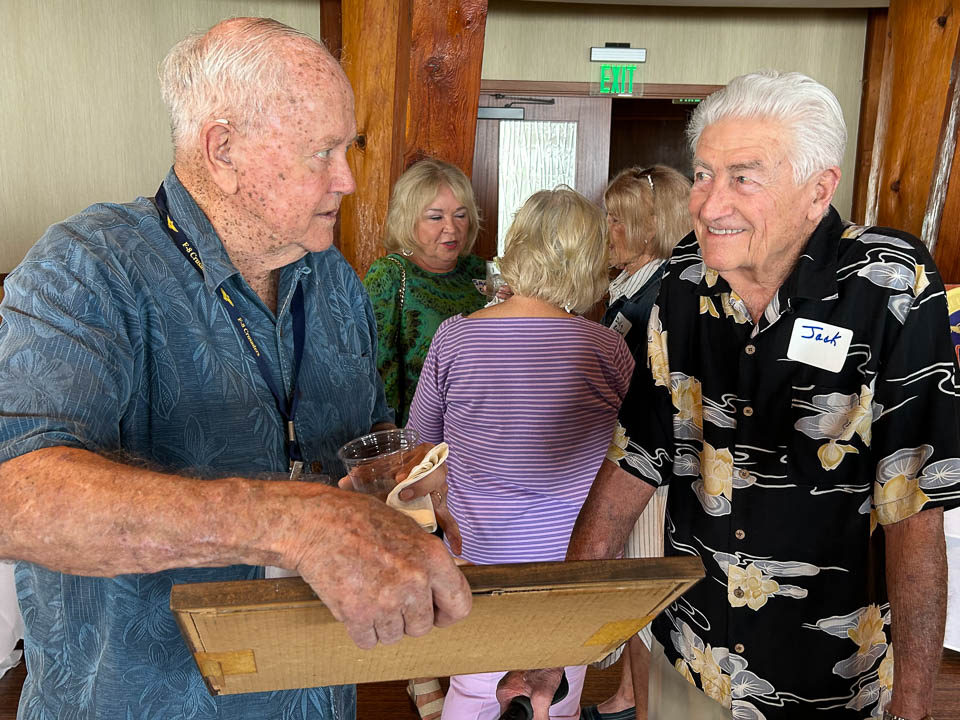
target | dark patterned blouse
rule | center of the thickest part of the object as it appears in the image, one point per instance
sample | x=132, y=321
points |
x=786, y=443
x=404, y=335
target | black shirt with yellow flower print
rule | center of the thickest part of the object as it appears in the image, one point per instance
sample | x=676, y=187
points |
x=786, y=443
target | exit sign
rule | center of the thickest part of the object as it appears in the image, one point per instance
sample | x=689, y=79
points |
x=616, y=79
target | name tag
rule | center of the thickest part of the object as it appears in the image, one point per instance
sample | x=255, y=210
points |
x=819, y=344
x=621, y=324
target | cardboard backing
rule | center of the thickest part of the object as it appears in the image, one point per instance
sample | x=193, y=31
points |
x=253, y=636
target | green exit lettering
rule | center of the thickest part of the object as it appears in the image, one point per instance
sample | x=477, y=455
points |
x=617, y=79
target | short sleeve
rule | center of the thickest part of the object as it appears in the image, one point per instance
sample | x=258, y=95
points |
x=915, y=429
x=66, y=356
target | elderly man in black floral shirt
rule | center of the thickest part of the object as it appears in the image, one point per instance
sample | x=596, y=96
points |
x=800, y=399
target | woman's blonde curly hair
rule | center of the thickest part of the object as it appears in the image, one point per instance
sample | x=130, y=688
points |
x=414, y=191
x=556, y=250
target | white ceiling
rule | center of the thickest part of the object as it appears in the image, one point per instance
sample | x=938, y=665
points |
x=741, y=4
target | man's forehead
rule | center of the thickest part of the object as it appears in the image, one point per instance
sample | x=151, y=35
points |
x=742, y=143
x=320, y=100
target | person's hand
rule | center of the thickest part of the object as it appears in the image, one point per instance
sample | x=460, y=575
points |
x=434, y=485
x=538, y=685
x=376, y=569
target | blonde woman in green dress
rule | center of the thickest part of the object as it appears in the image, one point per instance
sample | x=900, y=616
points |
x=428, y=274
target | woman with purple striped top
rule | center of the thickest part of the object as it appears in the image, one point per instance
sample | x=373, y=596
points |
x=526, y=394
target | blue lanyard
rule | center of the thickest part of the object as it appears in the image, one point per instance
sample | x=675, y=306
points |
x=286, y=406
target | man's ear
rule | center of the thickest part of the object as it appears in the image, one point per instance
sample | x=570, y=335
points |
x=824, y=186
x=217, y=137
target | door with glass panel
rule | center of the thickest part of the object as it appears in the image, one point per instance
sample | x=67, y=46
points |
x=560, y=140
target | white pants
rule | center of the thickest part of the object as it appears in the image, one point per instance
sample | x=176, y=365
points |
x=474, y=697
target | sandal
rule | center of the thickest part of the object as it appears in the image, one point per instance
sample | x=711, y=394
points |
x=592, y=712
x=429, y=710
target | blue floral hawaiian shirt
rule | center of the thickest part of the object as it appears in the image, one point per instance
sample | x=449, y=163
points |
x=113, y=343
x=787, y=442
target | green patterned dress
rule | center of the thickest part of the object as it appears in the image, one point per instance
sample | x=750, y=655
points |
x=429, y=300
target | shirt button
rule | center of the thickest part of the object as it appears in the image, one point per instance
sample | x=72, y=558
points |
x=738, y=593
x=750, y=349
x=739, y=648
x=316, y=467
x=743, y=473
x=748, y=411
x=740, y=534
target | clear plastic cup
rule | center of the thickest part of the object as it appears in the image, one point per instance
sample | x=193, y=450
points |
x=374, y=460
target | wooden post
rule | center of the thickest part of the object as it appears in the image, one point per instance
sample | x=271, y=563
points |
x=869, y=109
x=330, y=26
x=921, y=42
x=415, y=70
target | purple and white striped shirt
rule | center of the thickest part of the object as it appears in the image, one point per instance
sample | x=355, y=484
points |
x=528, y=407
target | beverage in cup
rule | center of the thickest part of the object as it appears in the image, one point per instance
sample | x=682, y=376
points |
x=373, y=460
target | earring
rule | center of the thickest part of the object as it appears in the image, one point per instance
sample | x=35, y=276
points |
x=568, y=306
x=407, y=252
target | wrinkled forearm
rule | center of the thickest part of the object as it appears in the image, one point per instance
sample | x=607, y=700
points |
x=610, y=511
x=917, y=585
x=76, y=512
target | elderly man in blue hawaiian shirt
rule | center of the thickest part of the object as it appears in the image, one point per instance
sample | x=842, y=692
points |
x=156, y=357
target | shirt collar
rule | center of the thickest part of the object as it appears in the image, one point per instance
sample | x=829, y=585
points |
x=193, y=223
x=815, y=274
x=626, y=285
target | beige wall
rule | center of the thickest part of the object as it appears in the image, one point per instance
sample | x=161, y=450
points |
x=80, y=114
x=551, y=41
x=81, y=119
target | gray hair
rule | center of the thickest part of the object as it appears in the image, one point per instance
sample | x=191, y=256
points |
x=232, y=72
x=807, y=108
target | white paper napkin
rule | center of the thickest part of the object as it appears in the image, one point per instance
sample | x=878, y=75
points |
x=421, y=508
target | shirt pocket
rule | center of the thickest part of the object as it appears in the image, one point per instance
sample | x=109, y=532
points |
x=354, y=364
x=829, y=434
x=351, y=376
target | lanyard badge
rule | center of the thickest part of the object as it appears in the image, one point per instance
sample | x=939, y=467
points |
x=287, y=406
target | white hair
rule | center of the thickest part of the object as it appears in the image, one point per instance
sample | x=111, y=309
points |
x=233, y=73
x=805, y=107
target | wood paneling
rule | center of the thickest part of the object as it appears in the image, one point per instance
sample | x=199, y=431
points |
x=943, y=162
x=645, y=132
x=486, y=169
x=945, y=188
x=947, y=253
x=415, y=70
x=446, y=51
x=869, y=105
x=330, y=26
x=592, y=115
x=921, y=43
x=375, y=57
